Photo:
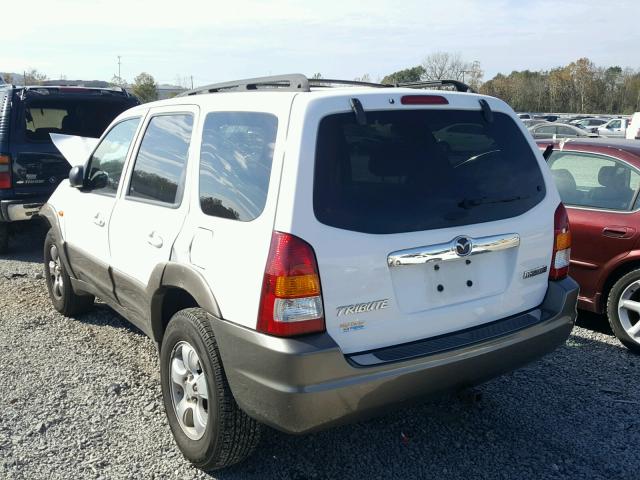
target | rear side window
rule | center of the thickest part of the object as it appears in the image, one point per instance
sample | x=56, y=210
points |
x=590, y=180
x=418, y=170
x=235, y=163
x=159, y=171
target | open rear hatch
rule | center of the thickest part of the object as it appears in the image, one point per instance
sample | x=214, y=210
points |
x=37, y=165
x=429, y=220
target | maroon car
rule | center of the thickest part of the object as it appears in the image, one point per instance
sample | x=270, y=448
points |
x=599, y=181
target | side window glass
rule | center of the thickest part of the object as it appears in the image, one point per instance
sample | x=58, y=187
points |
x=235, y=163
x=593, y=181
x=159, y=171
x=105, y=165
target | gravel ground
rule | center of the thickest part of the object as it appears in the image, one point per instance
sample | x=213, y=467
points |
x=81, y=399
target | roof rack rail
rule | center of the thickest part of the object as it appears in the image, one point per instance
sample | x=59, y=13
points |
x=296, y=82
x=327, y=82
x=459, y=86
x=293, y=82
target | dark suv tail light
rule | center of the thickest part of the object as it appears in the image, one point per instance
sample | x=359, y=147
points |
x=5, y=172
x=291, y=302
x=561, y=245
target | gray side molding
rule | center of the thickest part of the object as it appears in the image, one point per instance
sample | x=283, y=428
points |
x=174, y=275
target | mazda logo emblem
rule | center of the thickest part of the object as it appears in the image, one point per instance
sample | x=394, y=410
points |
x=463, y=246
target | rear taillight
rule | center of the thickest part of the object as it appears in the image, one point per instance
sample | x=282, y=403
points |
x=561, y=245
x=291, y=302
x=5, y=172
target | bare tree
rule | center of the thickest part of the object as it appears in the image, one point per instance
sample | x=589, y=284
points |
x=34, y=77
x=364, y=78
x=443, y=65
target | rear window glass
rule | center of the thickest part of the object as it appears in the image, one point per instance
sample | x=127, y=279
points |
x=418, y=170
x=85, y=118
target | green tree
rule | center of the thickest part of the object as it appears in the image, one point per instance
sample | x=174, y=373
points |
x=413, y=74
x=117, y=81
x=145, y=88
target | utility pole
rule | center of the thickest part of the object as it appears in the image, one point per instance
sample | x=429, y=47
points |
x=191, y=82
x=119, y=73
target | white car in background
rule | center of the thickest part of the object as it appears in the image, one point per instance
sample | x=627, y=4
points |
x=633, y=130
x=616, y=127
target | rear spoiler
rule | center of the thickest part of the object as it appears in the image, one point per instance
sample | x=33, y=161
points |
x=76, y=150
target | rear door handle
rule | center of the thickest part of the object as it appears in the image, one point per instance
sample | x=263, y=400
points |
x=154, y=240
x=618, y=232
x=98, y=220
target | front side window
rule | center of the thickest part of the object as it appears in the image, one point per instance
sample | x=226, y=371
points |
x=411, y=170
x=589, y=180
x=159, y=172
x=235, y=163
x=105, y=165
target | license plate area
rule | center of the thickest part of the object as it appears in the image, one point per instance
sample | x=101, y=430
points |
x=437, y=284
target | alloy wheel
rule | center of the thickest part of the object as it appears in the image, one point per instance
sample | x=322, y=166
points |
x=189, y=394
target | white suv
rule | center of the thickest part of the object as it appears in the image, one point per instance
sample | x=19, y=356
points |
x=306, y=254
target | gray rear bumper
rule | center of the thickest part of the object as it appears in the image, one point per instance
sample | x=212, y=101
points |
x=305, y=384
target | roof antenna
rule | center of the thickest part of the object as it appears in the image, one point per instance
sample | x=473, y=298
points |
x=487, y=113
x=361, y=116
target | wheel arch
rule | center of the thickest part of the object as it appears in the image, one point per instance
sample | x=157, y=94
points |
x=174, y=287
x=50, y=216
x=629, y=263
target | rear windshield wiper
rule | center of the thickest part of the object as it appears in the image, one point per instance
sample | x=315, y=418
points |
x=469, y=203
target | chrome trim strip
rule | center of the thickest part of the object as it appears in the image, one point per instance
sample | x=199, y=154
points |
x=444, y=252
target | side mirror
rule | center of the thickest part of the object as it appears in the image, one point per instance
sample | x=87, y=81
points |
x=76, y=177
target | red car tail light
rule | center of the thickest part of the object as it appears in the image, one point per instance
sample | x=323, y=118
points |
x=561, y=245
x=5, y=172
x=291, y=301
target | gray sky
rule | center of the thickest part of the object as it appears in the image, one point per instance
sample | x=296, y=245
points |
x=215, y=41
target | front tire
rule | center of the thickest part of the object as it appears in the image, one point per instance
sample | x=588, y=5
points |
x=210, y=429
x=64, y=299
x=623, y=310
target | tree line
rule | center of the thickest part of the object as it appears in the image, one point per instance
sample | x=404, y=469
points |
x=580, y=87
x=144, y=85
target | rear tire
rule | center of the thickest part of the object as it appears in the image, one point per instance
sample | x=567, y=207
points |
x=64, y=299
x=4, y=237
x=625, y=321
x=212, y=432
